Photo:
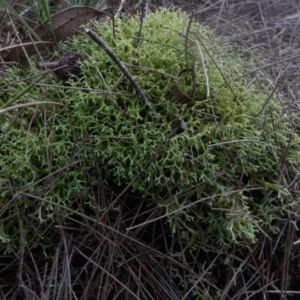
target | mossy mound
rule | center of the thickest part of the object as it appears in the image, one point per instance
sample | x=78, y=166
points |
x=227, y=162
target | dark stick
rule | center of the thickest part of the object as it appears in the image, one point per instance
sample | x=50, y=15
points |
x=125, y=71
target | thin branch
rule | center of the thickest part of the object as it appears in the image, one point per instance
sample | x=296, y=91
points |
x=123, y=68
x=4, y=110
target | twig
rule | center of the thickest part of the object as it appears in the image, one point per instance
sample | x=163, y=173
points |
x=144, y=10
x=125, y=71
x=2, y=111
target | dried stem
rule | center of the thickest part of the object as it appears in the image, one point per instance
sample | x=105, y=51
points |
x=125, y=71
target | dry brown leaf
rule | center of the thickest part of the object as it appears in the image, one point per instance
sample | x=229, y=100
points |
x=181, y=97
x=63, y=24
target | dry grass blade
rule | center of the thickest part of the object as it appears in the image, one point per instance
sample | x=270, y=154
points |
x=112, y=243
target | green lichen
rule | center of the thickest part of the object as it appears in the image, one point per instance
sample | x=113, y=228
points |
x=226, y=158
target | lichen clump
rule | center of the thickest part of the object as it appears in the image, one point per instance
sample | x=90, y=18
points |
x=223, y=161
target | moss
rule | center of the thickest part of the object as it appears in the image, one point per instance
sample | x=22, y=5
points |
x=225, y=151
